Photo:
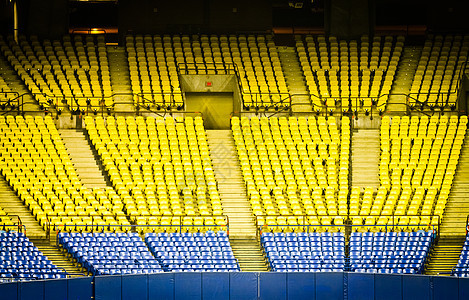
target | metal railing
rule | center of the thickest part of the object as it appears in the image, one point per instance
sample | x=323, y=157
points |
x=259, y=100
x=414, y=96
x=282, y=102
x=211, y=69
x=95, y=227
x=18, y=225
x=302, y=222
x=143, y=100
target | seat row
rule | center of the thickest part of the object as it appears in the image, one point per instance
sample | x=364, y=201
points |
x=20, y=260
x=390, y=252
x=381, y=252
x=72, y=71
x=37, y=166
x=419, y=156
x=126, y=253
x=349, y=75
x=198, y=252
x=111, y=253
x=294, y=166
x=154, y=62
x=153, y=70
x=439, y=70
x=304, y=252
x=138, y=152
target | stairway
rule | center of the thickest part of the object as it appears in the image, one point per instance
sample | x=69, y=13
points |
x=295, y=79
x=365, y=158
x=457, y=208
x=231, y=184
x=58, y=258
x=403, y=80
x=444, y=256
x=13, y=206
x=83, y=158
x=17, y=85
x=249, y=254
x=120, y=79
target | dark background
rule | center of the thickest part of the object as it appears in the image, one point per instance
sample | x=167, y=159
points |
x=344, y=18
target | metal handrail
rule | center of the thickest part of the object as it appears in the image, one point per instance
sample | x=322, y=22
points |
x=456, y=89
x=19, y=224
x=132, y=227
x=306, y=226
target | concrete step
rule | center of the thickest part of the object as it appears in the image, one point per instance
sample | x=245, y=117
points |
x=249, y=254
x=231, y=184
x=83, y=158
x=59, y=258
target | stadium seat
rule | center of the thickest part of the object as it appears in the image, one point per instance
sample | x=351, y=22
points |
x=349, y=76
x=109, y=253
x=304, y=252
x=20, y=260
x=193, y=252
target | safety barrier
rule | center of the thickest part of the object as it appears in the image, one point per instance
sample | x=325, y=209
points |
x=243, y=285
x=180, y=226
x=303, y=223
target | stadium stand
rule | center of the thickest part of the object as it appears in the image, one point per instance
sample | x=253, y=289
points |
x=389, y=252
x=258, y=65
x=439, y=70
x=193, y=252
x=20, y=260
x=154, y=63
x=305, y=252
x=139, y=152
x=109, y=253
x=462, y=267
x=351, y=75
x=153, y=69
x=419, y=156
x=37, y=166
x=288, y=164
x=72, y=72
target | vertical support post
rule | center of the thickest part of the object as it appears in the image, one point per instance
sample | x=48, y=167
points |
x=15, y=21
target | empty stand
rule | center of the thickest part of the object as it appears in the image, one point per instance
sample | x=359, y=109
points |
x=295, y=168
x=439, y=71
x=418, y=162
x=72, y=72
x=109, y=253
x=259, y=69
x=154, y=62
x=153, y=69
x=349, y=76
x=138, y=153
x=197, y=252
x=36, y=164
x=305, y=252
x=389, y=252
x=21, y=260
